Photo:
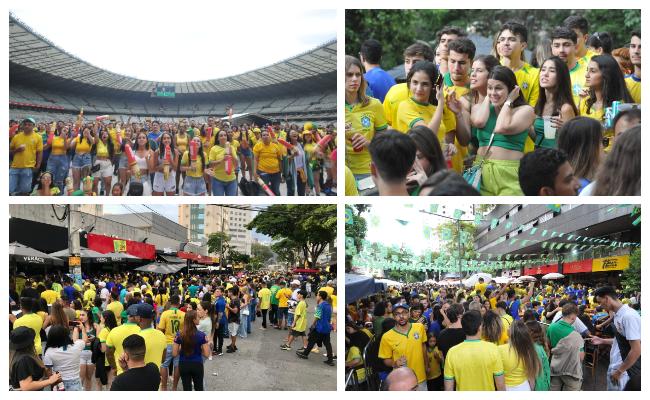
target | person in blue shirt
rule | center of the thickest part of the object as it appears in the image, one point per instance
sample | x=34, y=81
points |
x=221, y=326
x=154, y=135
x=320, y=329
x=379, y=81
x=514, y=302
x=68, y=289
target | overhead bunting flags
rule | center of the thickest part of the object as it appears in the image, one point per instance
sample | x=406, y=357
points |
x=402, y=222
x=349, y=220
x=458, y=213
x=426, y=231
x=477, y=218
x=494, y=223
x=554, y=207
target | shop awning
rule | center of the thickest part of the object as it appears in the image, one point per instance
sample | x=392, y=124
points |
x=87, y=255
x=171, y=259
x=22, y=254
x=122, y=257
x=161, y=268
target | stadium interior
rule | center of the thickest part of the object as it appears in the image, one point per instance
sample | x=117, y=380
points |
x=47, y=83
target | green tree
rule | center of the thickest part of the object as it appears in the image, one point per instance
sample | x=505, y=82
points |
x=236, y=257
x=311, y=226
x=287, y=251
x=261, y=251
x=631, y=277
x=449, y=234
x=357, y=230
x=219, y=242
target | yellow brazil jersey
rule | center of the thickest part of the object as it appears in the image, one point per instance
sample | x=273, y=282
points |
x=171, y=321
x=587, y=57
x=115, y=338
x=355, y=354
x=26, y=158
x=350, y=183
x=267, y=155
x=103, y=335
x=156, y=343
x=34, y=322
x=396, y=94
x=328, y=289
x=460, y=91
x=102, y=149
x=116, y=143
x=83, y=146
x=528, y=80
x=89, y=297
x=198, y=172
x=410, y=112
x=283, y=295
x=473, y=364
x=181, y=142
x=116, y=307
x=513, y=367
x=577, y=75
x=310, y=149
x=333, y=300
x=50, y=296
x=365, y=120
x=300, y=316
x=480, y=287
x=634, y=86
x=265, y=298
x=217, y=154
x=58, y=146
x=208, y=145
x=598, y=115
x=394, y=345
x=435, y=369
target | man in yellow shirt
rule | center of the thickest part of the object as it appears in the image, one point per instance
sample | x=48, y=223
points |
x=283, y=295
x=265, y=302
x=299, y=325
x=116, y=307
x=563, y=45
x=50, y=295
x=171, y=322
x=480, y=286
x=405, y=345
x=154, y=339
x=117, y=335
x=26, y=147
x=268, y=156
x=633, y=81
x=30, y=320
x=473, y=364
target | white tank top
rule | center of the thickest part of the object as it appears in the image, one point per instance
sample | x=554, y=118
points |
x=141, y=161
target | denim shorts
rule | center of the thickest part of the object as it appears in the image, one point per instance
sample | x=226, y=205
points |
x=123, y=163
x=81, y=160
x=246, y=152
x=73, y=385
x=20, y=180
x=194, y=186
x=168, y=358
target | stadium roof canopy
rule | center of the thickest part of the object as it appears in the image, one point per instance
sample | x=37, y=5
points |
x=33, y=57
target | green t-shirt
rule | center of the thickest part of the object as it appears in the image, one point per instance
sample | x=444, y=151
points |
x=274, y=290
x=558, y=331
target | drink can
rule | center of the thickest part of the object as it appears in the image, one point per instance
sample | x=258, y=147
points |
x=615, y=105
x=609, y=117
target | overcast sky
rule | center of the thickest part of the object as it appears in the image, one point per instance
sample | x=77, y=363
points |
x=177, y=41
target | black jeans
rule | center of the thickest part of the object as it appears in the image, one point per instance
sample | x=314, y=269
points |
x=217, y=339
x=191, y=372
x=316, y=337
x=273, y=314
x=264, y=312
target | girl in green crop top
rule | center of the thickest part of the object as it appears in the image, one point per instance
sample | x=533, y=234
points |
x=505, y=113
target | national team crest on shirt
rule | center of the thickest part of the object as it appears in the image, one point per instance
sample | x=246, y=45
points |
x=524, y=86
x=416, y=335
x=365, y=121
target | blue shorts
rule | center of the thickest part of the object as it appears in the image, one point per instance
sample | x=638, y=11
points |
x=168, y=358
x=20, y=180
x=194, y=186
x=283, y=312
x=123, y=163
x=81, y=160
x=246, y=152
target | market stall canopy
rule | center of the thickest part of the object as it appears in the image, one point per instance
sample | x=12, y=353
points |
x=122, y=257
x=23, y=254
x=552, y=276
x=359, y=286
x=170, y=259
x=503, y=279
x=473, y=280
x=161, y=268
x=86, y=255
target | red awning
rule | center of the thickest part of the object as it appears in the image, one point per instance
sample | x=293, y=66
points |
x=186, y=255
x=541, y=270
x=575, y=267
x=107, y=244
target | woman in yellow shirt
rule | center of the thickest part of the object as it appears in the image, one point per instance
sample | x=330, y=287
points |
x=521, y=364
x=103, y=149
x=224, y=182
x=267, y=161
x=194, y=184
x=58, y=163
x=81, y=161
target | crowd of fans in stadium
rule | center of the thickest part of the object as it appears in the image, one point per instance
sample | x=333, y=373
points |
x=137, y=331
x=568, y=125
x=109, y=157
x=494, y=337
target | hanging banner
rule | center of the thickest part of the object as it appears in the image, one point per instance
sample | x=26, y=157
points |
x=617, y=263
x=119, y=246
x=541, y=269
x=576, y=267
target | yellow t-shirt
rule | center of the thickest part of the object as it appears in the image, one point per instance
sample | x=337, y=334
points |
x=171, y=321
x=116, y=307
x=300, y=316
x=513, y=367
x=102, y=149
x=355, y=354
x=577, y=75
x=89, y=297
x=396, y=94
x=634, y=87
x=156, y=343
x=410, y=112
x=117, y=336
x=218, y=153
x=82, y=147
x=435, y=370
x=350, y=183
x=333, y=301
x=26, y=158
x=365, y=120
x=473, y=364
x=265, y=298
x=58, y=146
x=528, y=80
x=268, y=157
x=185, y=161
x=598, y=115
x=103, y=335
x=283, y=295
x=481, y=287
x=181, y=142
x=50, y=296
x=35, y=323
x=116, y=143
x=328, y=289
x=395, y=345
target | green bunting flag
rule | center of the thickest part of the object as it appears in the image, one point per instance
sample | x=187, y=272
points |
x=494, y=223
x=433, y=208
x=544, y=232
x=348, y=217
x=532, y=231
x=458, y=213
x=427, y=232
x=478, y=218
x=508, y=225
x=554, y=207
x=402, y=222
x=446, y=234
x=637, y=221
x=408, y=205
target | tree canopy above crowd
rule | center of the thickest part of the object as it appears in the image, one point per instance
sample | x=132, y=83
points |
x=397, y=29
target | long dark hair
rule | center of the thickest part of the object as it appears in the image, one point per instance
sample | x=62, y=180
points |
x=109, y=319
x=431, y=70
x=427, y=142
x=188, y=334
x=563, y=94
x=580, y=138
x=135, y=142
x=161, y=150
x=58, y=336
x=109, y=144
x=537, y=334
x=613, y=86
x=489, y=62
x=620, y=174
x=505, y=75
x=492, y=327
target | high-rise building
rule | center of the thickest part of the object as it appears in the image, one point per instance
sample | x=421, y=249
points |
x=201, y=220
x=240, y=237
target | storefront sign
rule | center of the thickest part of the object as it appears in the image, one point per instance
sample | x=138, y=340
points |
x=575, y=267
x=106, y=244
x=119, y=246
x=541, y=269
x=74, y=261
x=616, y=263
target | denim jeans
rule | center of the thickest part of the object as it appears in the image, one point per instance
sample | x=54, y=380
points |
x=20, y=181
x=272, y=180
x=58, y=166
x=243, y=326
x=73, y=385
x=81, y=160
x=221, y=188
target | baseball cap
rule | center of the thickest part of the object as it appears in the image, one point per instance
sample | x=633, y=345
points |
x=145, y=310
x=132, y=311
x=404, y=306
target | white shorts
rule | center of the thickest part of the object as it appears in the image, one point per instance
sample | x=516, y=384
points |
x=161, y=185
x=105, y=169
x=86, y=356
x=233, y=328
